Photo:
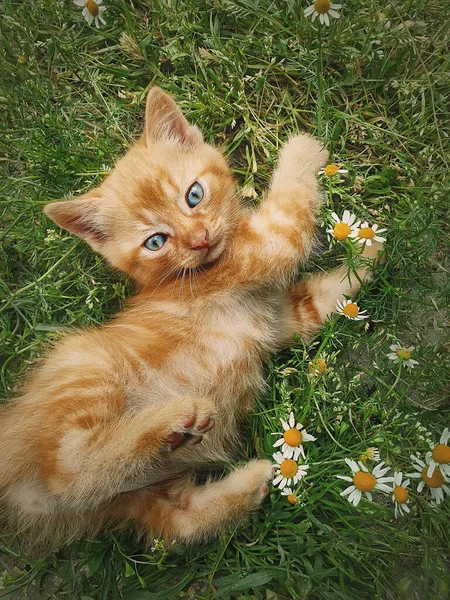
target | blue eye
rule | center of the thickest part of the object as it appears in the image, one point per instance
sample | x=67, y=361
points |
x=195, y=194
x=156, y=242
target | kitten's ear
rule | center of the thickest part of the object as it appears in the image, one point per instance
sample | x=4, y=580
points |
x=82, y=216
x=164, y=121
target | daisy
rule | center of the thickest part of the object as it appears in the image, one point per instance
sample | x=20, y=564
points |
x=92, y=11
x=404, y=354
x=350, y=310
x=400, y=494
x=288, y=471
x=344, y=226
x=331, y=170
x=293, y=437
x=440, y=455
x=370, y=454
x=364, y=482
x=436, y=483
x=367, y=235
x=321, y=9
x=291, y=497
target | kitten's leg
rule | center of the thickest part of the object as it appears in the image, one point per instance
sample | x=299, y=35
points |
x=313, y=301
x=181, y=511
x=275, y=238
x=92, y=464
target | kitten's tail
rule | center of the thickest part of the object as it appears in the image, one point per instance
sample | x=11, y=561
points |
x=314, y=300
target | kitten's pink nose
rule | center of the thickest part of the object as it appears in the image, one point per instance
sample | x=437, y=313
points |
x=200, y=241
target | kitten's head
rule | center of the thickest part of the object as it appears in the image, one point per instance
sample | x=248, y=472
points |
x=169, y=203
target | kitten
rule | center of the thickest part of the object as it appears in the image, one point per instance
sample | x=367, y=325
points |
x=117, y=419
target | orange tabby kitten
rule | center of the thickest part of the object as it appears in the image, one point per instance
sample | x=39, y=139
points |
x=117, y=419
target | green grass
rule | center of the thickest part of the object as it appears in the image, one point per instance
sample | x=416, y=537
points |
x=374, y=87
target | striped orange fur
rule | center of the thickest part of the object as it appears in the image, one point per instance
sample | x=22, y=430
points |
x=117, y=419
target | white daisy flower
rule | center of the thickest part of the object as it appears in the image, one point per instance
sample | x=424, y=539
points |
x=436, y=483
x=350, y=310
x=400, y=494
x=293, y=437
x=370, y=454
x=288, y=471
x=92, y=11
x=399, y=352
x=368, y=234
x=344, y=226
x=324, y=9
x=291, y=497
x=331, y=170
x=364, y=482
x=440, y=455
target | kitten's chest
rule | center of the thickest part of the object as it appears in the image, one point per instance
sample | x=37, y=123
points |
x=229, y=337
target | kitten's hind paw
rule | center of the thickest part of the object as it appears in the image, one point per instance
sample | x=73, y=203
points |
x=193, y=427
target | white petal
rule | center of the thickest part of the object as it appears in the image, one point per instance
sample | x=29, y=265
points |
x=421, y=486
x=307, y=437
x=406, y=483
x=346, y=216
x=383, y=487
x=283, y=483
x=321, y=18
x=398, y=478
x=335, y=217
x=315, y=15
x=357, y=498
x=336, y=6
x=278, y=443
x=277, y=479
x=326, y=19
x=347, y=491
x=405, y=508
x=363, y=466
x=431, y=468
x=344, y=477
x=369, y=496
x=297, y=453
x=309, y=10
x=445, y=436
x=285, y=425
x=333, y=13
x=291, y=420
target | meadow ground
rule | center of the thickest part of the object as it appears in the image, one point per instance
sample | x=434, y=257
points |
x=374, y=86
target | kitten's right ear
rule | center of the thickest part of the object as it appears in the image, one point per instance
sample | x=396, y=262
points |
x=165, y=122
x=82, y=216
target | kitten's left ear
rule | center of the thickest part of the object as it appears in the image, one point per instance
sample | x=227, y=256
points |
x=164, y=121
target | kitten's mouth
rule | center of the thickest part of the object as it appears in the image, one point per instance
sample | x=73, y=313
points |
x=214, y=251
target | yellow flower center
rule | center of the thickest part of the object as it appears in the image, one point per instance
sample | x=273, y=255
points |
x=319, y=365
x=403, y=353
x=341, y=231
x=288, y=468
x=435, y=481
x=293, y=437
x=292, y=499
x=329, y=170
x=366, y=233
x=351, y=310
x=92, y=7
x=365, y=482
x=322, y=7
x=441, y=454
x=401, y=494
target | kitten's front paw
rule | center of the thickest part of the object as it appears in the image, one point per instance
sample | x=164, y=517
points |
x=193, y=427
x=306, y=153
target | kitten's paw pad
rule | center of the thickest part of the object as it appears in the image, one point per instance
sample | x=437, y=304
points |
x=192, y=431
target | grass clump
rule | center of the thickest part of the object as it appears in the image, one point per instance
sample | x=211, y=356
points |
x=374, y=87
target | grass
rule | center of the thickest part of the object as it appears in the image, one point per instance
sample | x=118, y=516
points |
x=374, y=87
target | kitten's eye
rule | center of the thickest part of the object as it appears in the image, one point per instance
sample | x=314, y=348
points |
x=195, y=194
x=156, y=242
